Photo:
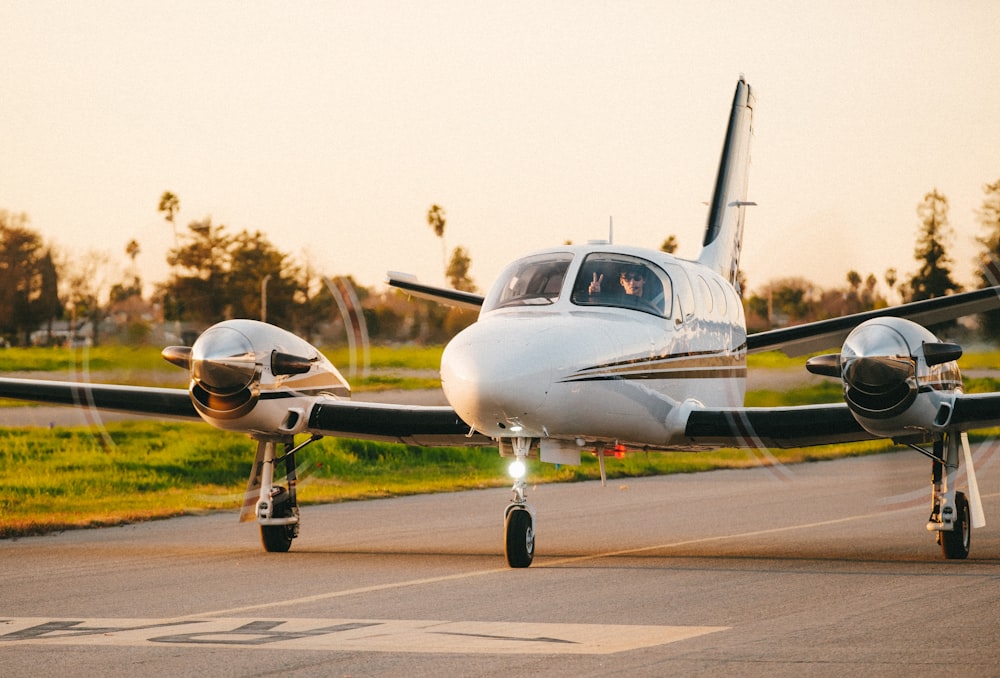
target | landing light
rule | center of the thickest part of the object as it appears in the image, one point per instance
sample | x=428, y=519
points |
x=516, y=469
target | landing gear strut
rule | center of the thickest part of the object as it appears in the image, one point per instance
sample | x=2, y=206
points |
x=951, y=518
x=519, y=516
x=275, y=507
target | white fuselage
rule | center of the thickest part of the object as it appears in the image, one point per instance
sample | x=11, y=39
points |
x=550, y=359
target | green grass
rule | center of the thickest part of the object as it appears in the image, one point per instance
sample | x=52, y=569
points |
x=57, y=359
x=980, y=360
x=825, y=392
x=62, y=478
x=407, y=356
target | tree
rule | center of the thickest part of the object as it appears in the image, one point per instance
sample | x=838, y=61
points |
x=669, y=245
x=132, y=250
x=169, y=205
x=218, y=276
x=87, y=283
x=47, y=306
x=890, y=279
x=933, y=279
x=197, y=289
x=787, y=301
x=132, y=285
x=989, y=260
x=253, y=258
x=436, y=220
x=458, y=271
x=28, y=279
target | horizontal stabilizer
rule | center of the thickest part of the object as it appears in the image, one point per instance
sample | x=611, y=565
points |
x=442, y=295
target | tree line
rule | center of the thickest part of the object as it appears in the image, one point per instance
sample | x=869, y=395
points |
x=796, y=300
x=218, y=273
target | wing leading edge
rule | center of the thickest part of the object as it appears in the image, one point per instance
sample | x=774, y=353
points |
x=172, y=402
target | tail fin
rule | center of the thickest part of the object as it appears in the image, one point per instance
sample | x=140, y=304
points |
x=724, y=233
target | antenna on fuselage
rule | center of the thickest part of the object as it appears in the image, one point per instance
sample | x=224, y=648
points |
x=611, y=230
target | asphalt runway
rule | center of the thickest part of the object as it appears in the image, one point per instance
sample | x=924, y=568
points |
x=817, y=569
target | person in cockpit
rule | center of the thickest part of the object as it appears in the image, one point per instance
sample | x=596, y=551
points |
x=632, y=281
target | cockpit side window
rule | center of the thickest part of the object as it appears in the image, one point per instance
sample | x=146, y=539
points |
x=620, y=280
x=533, y=281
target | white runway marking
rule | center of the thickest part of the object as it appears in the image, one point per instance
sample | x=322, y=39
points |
x=354, y=635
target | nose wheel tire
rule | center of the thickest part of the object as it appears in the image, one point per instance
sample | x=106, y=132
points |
x=278, y=538
x=955, y=543
x=519, y=545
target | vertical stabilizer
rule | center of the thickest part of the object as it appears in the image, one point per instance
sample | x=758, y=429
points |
x=724, y=232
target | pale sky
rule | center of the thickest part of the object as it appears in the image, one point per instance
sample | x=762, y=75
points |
x=333, y=126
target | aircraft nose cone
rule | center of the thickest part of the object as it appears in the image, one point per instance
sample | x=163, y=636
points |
x=496, y=374
x=223, y=361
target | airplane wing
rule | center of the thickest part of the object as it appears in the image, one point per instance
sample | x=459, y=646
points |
x=443, y=295
x=794, y=426
x=807, y=425
x=171, y=402
x=811, y=337
x=409, y=424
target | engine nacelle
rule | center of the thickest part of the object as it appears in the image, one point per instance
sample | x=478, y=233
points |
x=899, y=380
x=253, y=377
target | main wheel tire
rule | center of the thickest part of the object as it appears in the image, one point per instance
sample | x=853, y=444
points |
x=955, y=544
x=278, y=538
x=519, y=545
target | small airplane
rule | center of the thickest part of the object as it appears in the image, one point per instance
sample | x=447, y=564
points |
x=591, y=346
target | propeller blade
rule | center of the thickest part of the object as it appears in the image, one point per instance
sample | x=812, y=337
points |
x=935, y=354
x=287, y=364
x=975, y=500
x=825, y=365
x=178, y=355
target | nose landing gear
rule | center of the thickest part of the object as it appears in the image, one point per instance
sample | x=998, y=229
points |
x=274, y=506
x=519, y=516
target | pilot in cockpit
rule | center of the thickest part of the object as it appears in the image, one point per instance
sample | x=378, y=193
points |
x=632, y=281
x=630, y=291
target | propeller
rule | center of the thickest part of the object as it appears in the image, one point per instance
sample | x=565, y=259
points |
x=879, y=368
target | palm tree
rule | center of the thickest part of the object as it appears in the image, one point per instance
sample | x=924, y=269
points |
x=170, y=204
x=436, y=220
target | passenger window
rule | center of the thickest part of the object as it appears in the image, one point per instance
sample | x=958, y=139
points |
x=619, y=280
x=685, y=295
x=722, y=307
x=705, y=292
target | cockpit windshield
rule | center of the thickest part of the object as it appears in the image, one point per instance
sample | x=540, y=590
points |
x=607, y=279
x=532, y=281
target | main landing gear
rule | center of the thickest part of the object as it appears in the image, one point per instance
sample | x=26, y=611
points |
x=274, y=506
x=952, y=516
x=519, y=516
